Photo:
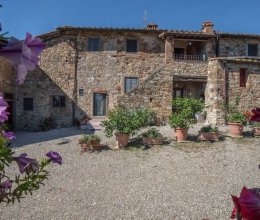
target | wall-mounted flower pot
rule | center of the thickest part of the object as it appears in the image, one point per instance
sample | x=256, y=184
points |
x=181, y=134
x=122, y=140
x=152, y=141
x=235, y=129
x=208, y=136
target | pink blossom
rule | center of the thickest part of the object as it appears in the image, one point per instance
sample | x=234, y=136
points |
x=23, y=55
x=9, y=135
x=247, y=205
x=3, y=107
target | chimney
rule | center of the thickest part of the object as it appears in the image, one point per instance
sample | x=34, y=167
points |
x=152, y=26
x=207, y=27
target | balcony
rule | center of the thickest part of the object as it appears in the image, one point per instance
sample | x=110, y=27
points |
x=191, y=58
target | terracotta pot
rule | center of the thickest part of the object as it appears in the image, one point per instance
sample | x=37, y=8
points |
x=181, y=134
x=122, y=140
x=208, y=136
x=235, y=129
x=93, y=145
x=152, y=141
x=256, y=131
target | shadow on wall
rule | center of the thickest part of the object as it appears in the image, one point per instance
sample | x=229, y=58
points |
x=42, y=103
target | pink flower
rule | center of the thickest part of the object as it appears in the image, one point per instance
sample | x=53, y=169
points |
x=247, y=205
x=23, y=55
x=54, y=157
x=24, y=162
x=256, y=115
x=9, y=135
x=6, y=185
x=3, y=107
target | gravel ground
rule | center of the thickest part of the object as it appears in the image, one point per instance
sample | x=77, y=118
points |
x=175, y=181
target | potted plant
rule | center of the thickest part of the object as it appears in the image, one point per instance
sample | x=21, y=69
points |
x=209, y=133
x=255, y=119
x=89, y=142
x=125, y=122
x=183, y=116
x=256, y=129
x=236, y=123
x=152, y=137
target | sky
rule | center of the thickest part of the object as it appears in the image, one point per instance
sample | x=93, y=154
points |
x=42, y=16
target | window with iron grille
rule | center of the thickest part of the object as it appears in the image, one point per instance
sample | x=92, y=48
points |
x=28, y=104
x=58, y=101
x=252, y=50
x=131, y=45
x=130, y=83
x=94, y=44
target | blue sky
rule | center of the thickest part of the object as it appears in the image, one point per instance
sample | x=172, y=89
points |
x=41, y=16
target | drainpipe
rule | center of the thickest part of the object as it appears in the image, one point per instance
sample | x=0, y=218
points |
x=217, y=46
x=226, y=78
x=75, y=101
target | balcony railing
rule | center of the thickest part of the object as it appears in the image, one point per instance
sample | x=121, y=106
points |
x=195, y=58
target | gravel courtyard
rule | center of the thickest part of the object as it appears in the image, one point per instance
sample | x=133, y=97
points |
x=175, y=181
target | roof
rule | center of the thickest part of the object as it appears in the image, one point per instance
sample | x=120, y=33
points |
x=161, y=32
x=238, y=59
x=240, y=35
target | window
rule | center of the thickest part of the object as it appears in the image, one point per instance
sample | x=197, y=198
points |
x=58, y=101
x=131, y=45
x=179, y=51
x=130, y=83
x=242, y=77
x=252, y=50
x=8, y=96
x=93, y=44
x=28, y=104
x=81, y=92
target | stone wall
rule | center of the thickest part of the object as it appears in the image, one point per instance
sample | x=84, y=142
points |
x=215, y=90
x=156, y=92
x=105, y=70
x=7, y=77
x=234, y=46
x=55, y=76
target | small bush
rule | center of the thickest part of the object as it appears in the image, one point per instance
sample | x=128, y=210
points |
x=153, y=133
x=237, y=117
x=209, y=128
x=127, y=121
x=88, y=138
x=184, y=110
x=256, y=124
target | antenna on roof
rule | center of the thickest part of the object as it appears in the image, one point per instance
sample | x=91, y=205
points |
x=145, y=18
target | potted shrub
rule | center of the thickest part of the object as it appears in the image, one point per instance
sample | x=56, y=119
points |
x=90, y=142
x=255, y=119
x=125, y=122
x=236, y=122
x=256, y=129
x=209, y=133
x=152, y=137
x=183, y=116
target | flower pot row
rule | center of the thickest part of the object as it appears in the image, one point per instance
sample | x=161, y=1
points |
x=211, y=134
x=151, y=137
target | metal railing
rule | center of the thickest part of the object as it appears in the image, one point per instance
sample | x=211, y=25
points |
x=198, y=58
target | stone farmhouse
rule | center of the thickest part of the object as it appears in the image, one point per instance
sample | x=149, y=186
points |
x=92, y=70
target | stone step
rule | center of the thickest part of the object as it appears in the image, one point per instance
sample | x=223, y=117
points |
x=94, y=125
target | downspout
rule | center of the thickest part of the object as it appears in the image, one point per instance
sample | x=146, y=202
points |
x=226, y=78
x=75, y=97
x=217, y=46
